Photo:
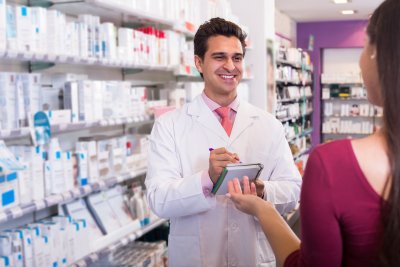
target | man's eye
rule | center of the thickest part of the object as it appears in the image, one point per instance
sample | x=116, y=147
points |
x=219, y=58
x=237, y=59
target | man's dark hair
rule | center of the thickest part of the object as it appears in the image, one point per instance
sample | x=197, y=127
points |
x=214, y=27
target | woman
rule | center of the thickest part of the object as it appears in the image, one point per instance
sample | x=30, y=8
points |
x=350, y=200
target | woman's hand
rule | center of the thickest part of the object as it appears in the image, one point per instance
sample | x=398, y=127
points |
x=246, y=200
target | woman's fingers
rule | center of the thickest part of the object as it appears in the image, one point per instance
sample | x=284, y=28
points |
x=237, y=187
x=246, y=185
x=253, y=189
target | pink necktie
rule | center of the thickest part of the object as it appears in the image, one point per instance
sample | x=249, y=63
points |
x=227, y=124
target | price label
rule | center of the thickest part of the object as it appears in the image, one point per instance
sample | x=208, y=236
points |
x=16, y=212
x=3, y=217
x=94, y=257
x=124, y=241
x=53, y=200
x=39, y=204
x=67, y=195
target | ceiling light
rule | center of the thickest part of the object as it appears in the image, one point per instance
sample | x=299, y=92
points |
x=348, y=12
x=341, y=1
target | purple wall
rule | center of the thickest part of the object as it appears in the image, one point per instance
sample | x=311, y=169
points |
x=335, y=34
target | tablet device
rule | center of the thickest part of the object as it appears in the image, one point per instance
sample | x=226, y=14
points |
x=236, y=170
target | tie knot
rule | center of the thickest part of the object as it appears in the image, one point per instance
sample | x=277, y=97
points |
x=223, y=112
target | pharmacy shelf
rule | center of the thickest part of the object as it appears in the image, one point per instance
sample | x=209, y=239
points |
x=288, y=100
x=293, y=64
x=68, y=196
x=70, y=127
x=293, y=216
x=118, y=239
x=300, y=154
x=351, y=116
x=344, y=99
x=304, y=133
x=295, y=83
x=345, y=134
x=41, y=62
x=117, y=11
x=343, y=83
x=294, y=118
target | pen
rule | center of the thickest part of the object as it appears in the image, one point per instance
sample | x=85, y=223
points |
x=211, y=149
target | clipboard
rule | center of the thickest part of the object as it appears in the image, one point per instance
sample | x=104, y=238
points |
x=239, y=170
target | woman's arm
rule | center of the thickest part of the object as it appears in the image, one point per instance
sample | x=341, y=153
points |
x=282, y=239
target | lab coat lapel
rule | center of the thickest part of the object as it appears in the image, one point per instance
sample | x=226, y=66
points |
x=206, y=118
x=245, y=117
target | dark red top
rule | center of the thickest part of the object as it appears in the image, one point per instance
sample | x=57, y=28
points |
x=340, y=211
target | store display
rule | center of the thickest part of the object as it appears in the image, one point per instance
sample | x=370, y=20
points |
x=94, y=142
x=346, y=110
x=295, y=99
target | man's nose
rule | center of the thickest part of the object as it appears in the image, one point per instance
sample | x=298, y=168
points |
x=229, y=65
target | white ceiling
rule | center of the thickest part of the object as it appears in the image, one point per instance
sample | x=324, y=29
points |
x=325, y=10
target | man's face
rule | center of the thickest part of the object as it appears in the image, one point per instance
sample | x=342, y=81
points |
x=222, y=66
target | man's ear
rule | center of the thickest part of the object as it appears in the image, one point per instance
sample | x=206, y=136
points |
x=199, y=63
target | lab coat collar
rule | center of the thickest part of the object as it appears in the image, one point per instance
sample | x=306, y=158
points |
x=245, y=117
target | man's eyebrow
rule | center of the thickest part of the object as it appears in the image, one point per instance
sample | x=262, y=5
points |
x=223, y=54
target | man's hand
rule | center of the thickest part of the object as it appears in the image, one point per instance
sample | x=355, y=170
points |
x=259, y=187
x=218, y=160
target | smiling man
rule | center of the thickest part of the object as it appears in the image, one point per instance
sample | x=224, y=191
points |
x=207, y=230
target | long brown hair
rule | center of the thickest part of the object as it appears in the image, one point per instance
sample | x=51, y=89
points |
x=384, y=32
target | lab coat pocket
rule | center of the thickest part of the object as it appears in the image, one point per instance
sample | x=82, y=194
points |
x=183, y=251
x=265, y=254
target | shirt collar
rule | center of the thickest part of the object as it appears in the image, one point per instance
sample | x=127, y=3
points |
x=234, y=105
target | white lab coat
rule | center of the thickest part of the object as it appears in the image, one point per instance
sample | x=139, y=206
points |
x=210, y=231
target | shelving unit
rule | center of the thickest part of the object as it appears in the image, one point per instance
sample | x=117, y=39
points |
x=294, y=99
x=95, y=67
x=117, y=241
x=347, y=112
x=68, y=196
x=80, y=126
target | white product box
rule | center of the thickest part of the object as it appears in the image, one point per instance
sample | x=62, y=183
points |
x=125, y=45
x=68, y=238
x=103, y=213
x=83, y=40
x=39, y=35
x=83, y=175
x=3, y=27
x=27, y=246
x=97, y=100
x=84, y=242
x=37, y=174
x=8, y=100
x=53, y=28
x=25, y=182
x=12, y=38
x=50, y=98
x=51, y=230
x=31, y=91
x=56, y=117
x=20, y=112
x=86, y=20
x=85, y=98
x=116, y=201
x=16, y=245
x=95, y=21
x=173, y=40
x=24, y=29
x=91, y=150
x=78, y=210
x=108, y=40
x=71, y=100
x=68, y=170
x=38, y=245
